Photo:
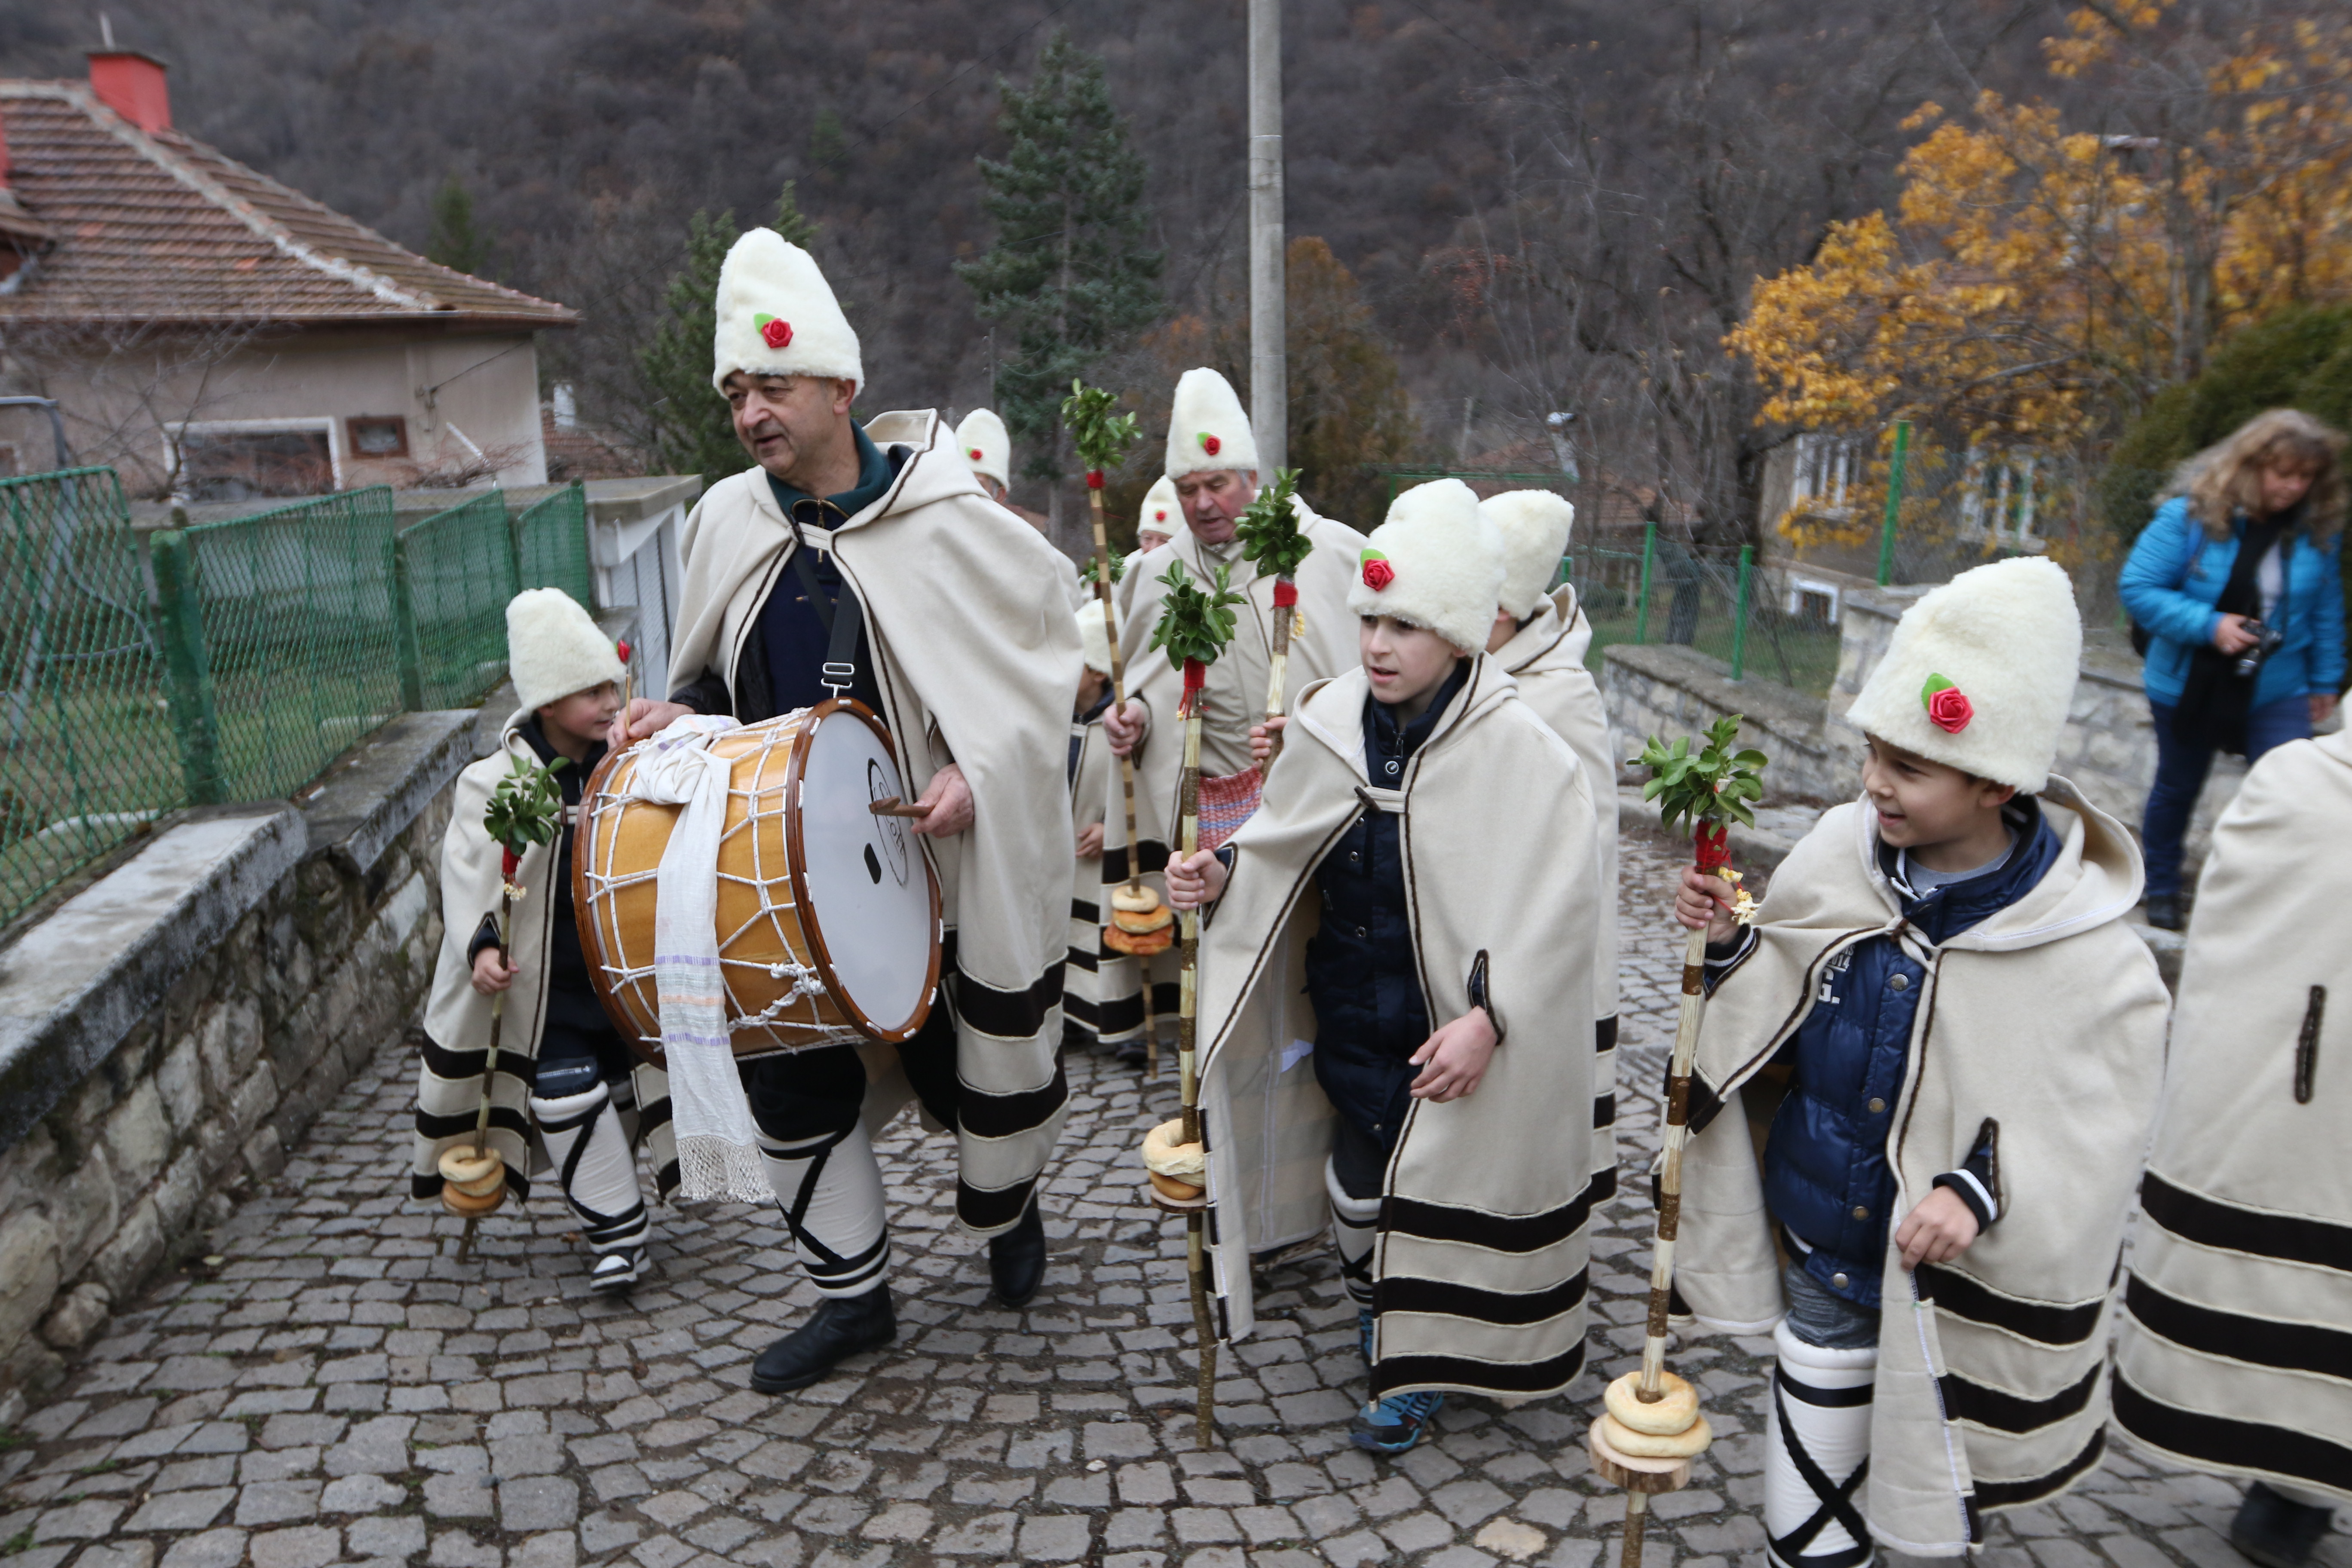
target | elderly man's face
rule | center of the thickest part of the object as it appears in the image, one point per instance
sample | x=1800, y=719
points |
x=1213, y=500
x=790, y=422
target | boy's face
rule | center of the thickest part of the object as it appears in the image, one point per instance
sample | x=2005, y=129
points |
x=1404, y=662
x=1922, y=804
x=1092, y=682
x=584, y=715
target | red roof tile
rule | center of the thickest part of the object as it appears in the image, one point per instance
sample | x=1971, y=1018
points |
x=160, y=229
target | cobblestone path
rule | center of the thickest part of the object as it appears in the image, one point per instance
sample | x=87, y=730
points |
x=330, y=1385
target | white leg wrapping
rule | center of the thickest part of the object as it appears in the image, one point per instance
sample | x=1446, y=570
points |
x=831, y=1190
x=1816, y=1453
x=589, y=1151
x=1354, y=1222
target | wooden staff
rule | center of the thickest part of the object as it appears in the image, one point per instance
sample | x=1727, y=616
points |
x=1126, y=764
x=490, y=1061
x=1187, y=1037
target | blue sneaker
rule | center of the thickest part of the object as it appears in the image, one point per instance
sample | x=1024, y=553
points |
x=1393, y=1424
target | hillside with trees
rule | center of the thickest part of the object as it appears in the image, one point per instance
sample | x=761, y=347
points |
x=1500, y=209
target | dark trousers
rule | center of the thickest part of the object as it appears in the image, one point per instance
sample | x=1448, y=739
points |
x=816, y=1093
x=1359, y=1161
x=2180, y=770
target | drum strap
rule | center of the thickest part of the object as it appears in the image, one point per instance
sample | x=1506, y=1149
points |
x=843, y=624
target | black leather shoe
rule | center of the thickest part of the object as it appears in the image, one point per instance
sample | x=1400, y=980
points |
x=2164, y=912
x=2278, y=1532
x=1016, y=1260
x=840, y=1327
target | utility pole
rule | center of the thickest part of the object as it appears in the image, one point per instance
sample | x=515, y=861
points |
x=1269, y=363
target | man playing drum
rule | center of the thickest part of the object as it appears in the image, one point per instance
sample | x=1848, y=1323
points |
x=1212, y=464
x=875, y=549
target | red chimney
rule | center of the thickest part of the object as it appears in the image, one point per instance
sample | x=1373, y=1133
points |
x=132, y=84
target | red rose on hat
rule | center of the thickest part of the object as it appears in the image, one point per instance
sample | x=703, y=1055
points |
x=1947, y=709
x=1209, y=444
x=975, y=453
x=1378, y=573
x=778, y=334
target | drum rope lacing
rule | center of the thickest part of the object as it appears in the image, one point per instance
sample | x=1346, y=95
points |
x=791, y=1022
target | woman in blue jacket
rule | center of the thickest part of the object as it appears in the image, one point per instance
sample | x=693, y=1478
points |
x=2237, y=584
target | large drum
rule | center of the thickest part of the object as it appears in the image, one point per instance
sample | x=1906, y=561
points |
x=828, y=914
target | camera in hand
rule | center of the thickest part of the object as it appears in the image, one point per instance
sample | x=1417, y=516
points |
x=2266, y=642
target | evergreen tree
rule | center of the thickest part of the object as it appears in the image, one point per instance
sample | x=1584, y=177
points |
x=453, y=240
x=1069, y=272
x=692, y=432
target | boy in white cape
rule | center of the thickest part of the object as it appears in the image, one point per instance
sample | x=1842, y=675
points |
x=1424, y=870
x=587, y=1095
x=1975, y=1040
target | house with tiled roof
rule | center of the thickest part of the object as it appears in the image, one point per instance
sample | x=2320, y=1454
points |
x=216, y=335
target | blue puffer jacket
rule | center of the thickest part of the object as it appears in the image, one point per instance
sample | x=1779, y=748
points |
x=1364, y=977
x=2177, y=571
x=1825, y=1176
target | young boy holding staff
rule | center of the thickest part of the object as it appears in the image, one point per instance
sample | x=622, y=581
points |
x=1423, y=874
x=586, y=1094
x=1975, y=1041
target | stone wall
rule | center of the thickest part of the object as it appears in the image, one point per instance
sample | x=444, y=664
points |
x=1667, y=689
x=169, y=1031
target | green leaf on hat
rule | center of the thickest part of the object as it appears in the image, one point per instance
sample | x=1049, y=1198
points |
x=762, y=319
x=1934, y=683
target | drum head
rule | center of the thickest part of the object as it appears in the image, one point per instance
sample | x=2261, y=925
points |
x=867, y=897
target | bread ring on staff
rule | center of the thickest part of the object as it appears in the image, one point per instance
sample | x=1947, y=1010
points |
x=1164, y=1155
x=1139, y=944
x=1144, y=920
x=468, y=1206
x=1672, y=1413
x=467, y=1170
x=1657, y=1445
x=1178, y=1191
x=1138, y=899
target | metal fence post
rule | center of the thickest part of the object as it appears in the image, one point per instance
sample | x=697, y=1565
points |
x=1740, y=613
x=194, y=721
x=403, y=631
x=1649, y=558
x=1893, y=502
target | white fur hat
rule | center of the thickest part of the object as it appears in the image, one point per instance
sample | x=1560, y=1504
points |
x=1206, y=427
x=1161, y=513
x=1980, y=672
x=1437, y=561
x=986, y=445
x=1534, y=525
x=777, y=315
x=553, y=647
x=1094, y=638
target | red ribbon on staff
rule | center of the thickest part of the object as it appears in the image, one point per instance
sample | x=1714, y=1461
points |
x=1094, y=478
x=508, y=861
x=1286, y=592
x=1196, y=676
x=1713, y=845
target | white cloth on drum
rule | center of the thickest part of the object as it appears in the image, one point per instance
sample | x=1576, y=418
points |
x=718, y=1147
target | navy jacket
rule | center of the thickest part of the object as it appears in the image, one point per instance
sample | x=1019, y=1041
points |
x=1825, y=1172
x=1362, y=974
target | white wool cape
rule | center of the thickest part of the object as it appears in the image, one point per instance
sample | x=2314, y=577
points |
x=1479, y=1266
x=1091, y=789
x=2046, y=1020
x=766, y=275
x=1446, y=557
x=1205, y=406
x=2242, y=1269
x=458, y=1017
x=2008, y=637
x=976, y=667
x=1547, y=658
x=1234, y=700
x=554, y=649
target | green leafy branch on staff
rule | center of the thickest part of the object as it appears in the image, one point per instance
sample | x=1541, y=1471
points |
x=1712, y=786
x=527, y=807
x=1269, y=529
x=1101, y=437
x=1194, y=624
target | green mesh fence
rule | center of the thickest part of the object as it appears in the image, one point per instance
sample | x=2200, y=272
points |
x=458, y=570
x=551, y=545
x=299, y=655
x=1608, y=589
x=86, y=754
